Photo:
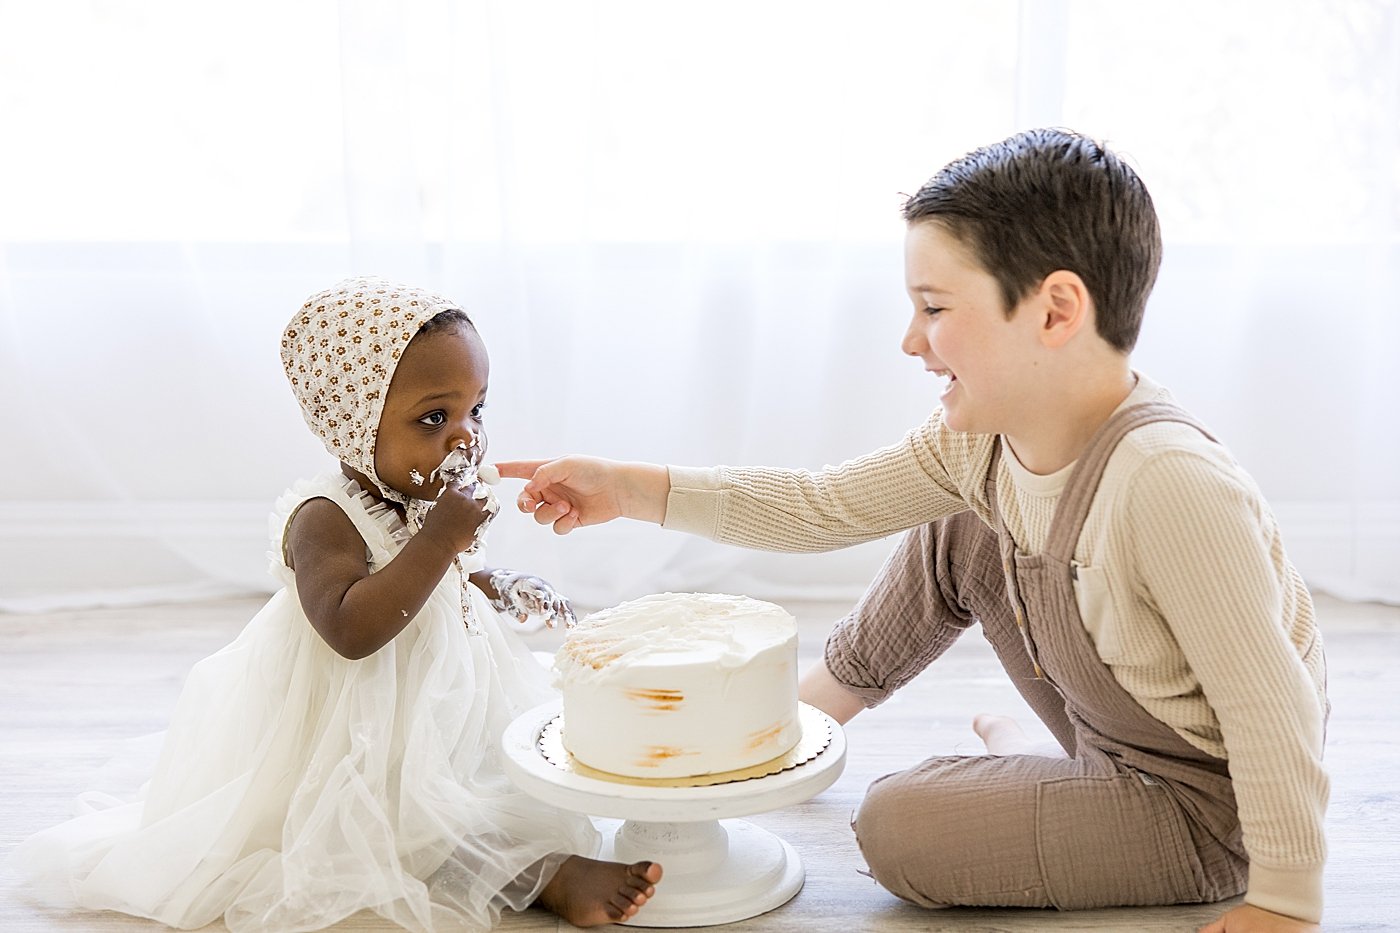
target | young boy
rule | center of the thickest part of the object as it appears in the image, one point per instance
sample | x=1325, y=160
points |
x=1127, y=571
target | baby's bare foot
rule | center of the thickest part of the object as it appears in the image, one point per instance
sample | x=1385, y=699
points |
x=590, y=893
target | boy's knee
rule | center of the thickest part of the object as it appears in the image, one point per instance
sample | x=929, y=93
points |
x=958, y=830
x=895, y=854
x=875, y=823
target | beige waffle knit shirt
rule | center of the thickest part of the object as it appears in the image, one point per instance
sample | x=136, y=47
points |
x=1183, y=584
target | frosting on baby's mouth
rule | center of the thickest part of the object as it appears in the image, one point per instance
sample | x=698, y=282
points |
x=458, y=469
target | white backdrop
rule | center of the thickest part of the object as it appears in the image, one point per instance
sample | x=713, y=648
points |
x=678, y=230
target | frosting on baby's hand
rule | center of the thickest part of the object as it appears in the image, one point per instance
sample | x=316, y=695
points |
x=524, y=595
x=460, y=470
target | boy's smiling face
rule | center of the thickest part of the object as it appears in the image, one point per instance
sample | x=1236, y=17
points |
x=961, y=332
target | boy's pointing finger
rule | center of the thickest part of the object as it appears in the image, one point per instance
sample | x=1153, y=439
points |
x=519, y=469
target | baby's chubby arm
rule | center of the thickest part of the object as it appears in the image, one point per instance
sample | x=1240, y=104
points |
x=574, y=491
x=357, y=612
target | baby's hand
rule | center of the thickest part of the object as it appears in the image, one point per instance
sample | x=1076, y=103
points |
x=524, y=595
x=460, y=515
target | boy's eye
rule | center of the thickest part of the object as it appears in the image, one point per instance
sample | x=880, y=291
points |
x=433, y=419
x=476, y=412
x=930, y=310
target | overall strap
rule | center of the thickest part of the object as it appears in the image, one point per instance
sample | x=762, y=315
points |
x=1008, y=559
x=1083, y=483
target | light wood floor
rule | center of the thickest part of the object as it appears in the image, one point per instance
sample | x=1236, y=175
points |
x=73, y=684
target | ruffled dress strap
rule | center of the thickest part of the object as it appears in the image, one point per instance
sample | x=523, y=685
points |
x=384, y=533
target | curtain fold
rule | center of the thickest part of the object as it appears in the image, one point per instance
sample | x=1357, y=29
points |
x=678, y=230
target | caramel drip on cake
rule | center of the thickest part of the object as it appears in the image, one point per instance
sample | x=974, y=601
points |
x=659, y=700
x=764, y=736
x=656, y=754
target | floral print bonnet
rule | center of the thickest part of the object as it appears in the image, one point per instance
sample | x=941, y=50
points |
x=340, y=351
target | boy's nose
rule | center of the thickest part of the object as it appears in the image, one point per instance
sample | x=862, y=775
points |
x=913, y=343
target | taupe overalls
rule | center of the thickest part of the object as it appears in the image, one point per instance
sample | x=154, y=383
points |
x=1135, y=815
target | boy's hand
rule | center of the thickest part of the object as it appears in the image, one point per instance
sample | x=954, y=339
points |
x=524, y=595
x=571, y=492
x=1250, y=919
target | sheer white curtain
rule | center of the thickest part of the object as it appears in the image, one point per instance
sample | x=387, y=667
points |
x=678, y=230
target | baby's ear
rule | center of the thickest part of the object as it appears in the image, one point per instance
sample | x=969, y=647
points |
x=1066, y=307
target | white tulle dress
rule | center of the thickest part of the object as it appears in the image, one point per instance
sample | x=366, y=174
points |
x=295, y=787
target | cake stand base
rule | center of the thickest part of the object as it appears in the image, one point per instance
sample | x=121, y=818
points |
x=715, y=868
x=716, y=871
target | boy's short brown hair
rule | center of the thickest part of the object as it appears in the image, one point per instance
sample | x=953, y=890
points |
x=1050, y=199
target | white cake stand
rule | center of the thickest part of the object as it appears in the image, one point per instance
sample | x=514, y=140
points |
x=717, y=870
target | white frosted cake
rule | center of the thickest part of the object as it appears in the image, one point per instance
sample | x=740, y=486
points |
x=680, y=684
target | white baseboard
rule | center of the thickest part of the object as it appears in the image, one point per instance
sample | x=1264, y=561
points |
x=209, y=518
x=1348, y=549
x=58, y=555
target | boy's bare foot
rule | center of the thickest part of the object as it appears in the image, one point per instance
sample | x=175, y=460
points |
x=1001, y=734
x=590, y=893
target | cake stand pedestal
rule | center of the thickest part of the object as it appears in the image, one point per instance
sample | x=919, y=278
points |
x=716, y=869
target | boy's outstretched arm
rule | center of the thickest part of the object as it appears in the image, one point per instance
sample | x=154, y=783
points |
x=818, y=688
x=571, y=492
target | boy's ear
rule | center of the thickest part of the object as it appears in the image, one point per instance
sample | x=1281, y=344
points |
x=1066, y=307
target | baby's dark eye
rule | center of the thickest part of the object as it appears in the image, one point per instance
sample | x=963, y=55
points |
x=476, y=412
x=433, y=419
